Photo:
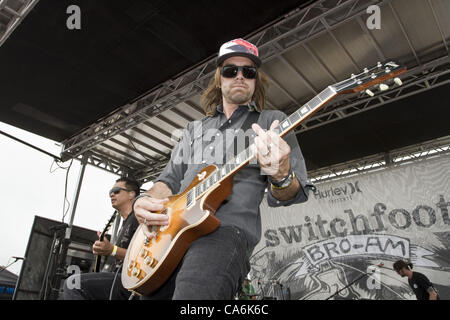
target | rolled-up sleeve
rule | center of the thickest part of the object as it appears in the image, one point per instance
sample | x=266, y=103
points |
x=173, y=173
x=298, y=166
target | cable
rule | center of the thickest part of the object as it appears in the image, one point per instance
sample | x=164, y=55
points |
x=133, y=294
x=65, y=193
x=114, y=282
x=66, y=201
x=59, y=166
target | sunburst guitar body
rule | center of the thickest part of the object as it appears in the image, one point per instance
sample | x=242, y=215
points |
x=149, y=263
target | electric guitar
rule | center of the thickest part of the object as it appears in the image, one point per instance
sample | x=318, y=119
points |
x=149, y=262
x=98, y=258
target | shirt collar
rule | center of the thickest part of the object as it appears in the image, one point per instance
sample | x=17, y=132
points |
x=251, y=107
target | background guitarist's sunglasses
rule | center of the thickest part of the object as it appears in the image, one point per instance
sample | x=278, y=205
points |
x=116, y=190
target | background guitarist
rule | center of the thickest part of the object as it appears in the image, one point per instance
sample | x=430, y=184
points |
x=98, y=286
x=215, y=264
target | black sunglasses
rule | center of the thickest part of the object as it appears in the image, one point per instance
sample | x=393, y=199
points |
x=232, y=71
x=116, y=190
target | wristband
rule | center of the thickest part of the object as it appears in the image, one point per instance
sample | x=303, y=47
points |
x=284, y=183
x=113, y=253
x=138, y=197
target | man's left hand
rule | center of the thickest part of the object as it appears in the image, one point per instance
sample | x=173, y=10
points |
x=271, y=151
x=103, y=248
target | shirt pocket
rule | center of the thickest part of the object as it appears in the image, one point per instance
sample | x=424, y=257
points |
x=196, y=146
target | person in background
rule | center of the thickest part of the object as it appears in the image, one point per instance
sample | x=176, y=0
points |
x=418, y=282
x=98, y=285
x=247, y=290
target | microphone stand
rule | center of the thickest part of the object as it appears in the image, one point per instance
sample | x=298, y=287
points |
x=365, y=274
x=4, y=268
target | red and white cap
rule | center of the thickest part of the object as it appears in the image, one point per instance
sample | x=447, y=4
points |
x=238, y=47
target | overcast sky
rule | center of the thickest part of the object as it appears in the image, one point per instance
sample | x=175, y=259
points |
x=28, y=188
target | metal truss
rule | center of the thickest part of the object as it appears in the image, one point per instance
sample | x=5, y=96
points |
x=416, y=80
x=150, y=173
x=295, y=29
x=12, y=13
x=427, y=150
x=109, y=164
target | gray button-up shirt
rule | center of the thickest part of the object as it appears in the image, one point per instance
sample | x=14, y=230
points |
x=206, y=142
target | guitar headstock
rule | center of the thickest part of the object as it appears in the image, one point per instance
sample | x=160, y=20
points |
x=380, y=75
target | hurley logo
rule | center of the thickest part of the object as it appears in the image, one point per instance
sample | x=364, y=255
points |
x=342, y=191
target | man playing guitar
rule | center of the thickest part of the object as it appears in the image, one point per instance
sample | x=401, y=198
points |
x=215, y=264
x=98, y=285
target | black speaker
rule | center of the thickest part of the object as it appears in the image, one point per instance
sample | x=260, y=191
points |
x=39, y=268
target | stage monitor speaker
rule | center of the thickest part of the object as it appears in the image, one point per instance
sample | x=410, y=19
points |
x=39, y=264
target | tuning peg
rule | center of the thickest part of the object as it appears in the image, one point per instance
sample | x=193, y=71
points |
x=370, y=93
x=366, y=70
x=398, y=81
x=373, y=75
x=383, y=87
x=379, y=65
x=387, y=70
x=353, y=76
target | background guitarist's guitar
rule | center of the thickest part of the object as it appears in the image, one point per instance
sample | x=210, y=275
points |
x=149, y=262
x=98, y=258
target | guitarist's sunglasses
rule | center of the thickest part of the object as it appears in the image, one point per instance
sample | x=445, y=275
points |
x=232, y=71
x=116, y=190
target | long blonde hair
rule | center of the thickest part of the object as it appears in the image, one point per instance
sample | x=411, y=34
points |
x=212, y=96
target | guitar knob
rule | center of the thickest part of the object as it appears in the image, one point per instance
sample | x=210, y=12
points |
x=370, y=93
x=136, y=272
x=398, y=81
x=148, y=261
x=383, y=87
x=143, y=253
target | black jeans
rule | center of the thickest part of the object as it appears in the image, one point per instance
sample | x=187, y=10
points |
x=95, y=286
x=213, y=268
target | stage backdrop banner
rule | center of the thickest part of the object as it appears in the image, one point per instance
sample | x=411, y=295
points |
x=349, y=227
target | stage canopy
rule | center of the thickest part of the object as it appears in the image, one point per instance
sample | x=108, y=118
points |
x=115, y=90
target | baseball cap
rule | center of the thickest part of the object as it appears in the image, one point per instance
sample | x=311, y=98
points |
x=238, y=47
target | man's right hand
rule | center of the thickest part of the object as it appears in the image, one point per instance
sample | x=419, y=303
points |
x=145, y=208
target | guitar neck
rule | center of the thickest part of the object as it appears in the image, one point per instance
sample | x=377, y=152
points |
x=244, y=157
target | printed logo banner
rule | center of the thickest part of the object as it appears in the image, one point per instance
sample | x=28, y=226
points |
x=356, y=228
